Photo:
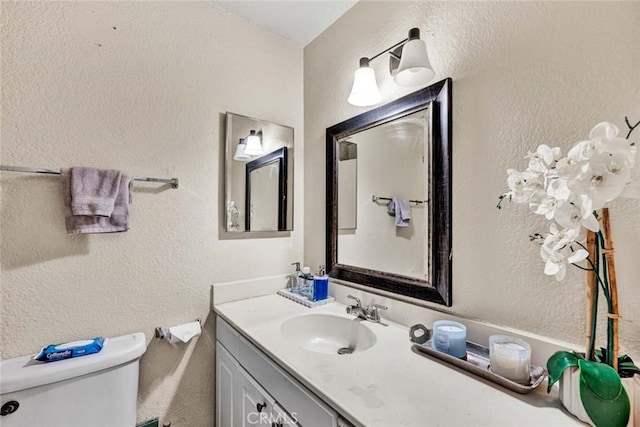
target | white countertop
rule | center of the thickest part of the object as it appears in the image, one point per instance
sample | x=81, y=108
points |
x=388, y=384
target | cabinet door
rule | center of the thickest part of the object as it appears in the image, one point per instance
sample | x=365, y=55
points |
x=309, y=410
x=256, y=406
x=283, y=419
x=226, y=389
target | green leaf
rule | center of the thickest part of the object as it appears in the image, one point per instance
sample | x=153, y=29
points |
x=603, y=396
x=626, y=367
x=556, y=365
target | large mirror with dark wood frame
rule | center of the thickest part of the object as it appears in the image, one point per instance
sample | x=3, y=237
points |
x=389, y=196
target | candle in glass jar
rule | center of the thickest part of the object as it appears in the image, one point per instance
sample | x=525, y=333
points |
x=510, y=357
x=450, y=337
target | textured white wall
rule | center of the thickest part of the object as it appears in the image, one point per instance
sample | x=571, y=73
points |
x=524, y=73
x=148, y=97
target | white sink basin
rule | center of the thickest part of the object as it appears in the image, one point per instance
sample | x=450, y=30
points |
x=326, y=333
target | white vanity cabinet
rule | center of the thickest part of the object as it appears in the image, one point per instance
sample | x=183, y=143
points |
x=227, y=407
x=252, y=390
x=256, y=406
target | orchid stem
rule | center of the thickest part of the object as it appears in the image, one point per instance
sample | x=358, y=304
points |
x=594, y=322
x=605, y=274
x=595, y=269
x=631, y=128
x=604, y=288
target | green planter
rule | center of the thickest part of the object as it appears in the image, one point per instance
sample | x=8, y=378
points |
x=591, y=391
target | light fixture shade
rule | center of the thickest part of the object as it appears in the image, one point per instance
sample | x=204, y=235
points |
x=365, y=89
x=254, y=146
x=240, y=155
x=415, y=68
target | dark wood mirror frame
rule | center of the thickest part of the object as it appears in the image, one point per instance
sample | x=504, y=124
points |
x=278, y=156
x=438, y=98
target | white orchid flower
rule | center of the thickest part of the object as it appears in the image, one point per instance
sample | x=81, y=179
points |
x=522, y=185
x=568, y=190
x=632, y=189
x=556, y=251
x=604, y=130
x=556, y=260
x=619, y=155
x=603, y=138
x=541, y=204
x=570, y=215
x=583, y=151
x=600, y=184
x=559, y=238
x=600, y=168
x=568, y=168
x=605, y=135
x=559, y=189
x=543, y=158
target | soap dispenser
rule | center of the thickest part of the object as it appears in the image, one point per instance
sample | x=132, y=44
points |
x=294, y=283
x=320, y=285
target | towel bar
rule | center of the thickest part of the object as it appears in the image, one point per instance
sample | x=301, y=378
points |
x=417, y=202
x=172, y=181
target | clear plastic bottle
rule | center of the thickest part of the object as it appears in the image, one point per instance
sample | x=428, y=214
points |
x=306, y=282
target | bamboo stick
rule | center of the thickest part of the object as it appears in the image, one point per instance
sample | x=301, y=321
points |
x=609, y=253
x=591, y=287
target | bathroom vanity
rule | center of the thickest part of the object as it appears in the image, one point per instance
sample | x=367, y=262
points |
x=275, y=357
x=253, y=390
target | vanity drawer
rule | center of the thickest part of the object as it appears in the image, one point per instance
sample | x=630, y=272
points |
x=305, y=407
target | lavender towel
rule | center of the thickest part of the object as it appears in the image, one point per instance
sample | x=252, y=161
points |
x=94, y=191
x=82, y=224
x=402, y=211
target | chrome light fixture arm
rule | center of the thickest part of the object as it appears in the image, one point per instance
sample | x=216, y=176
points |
x=410, y=68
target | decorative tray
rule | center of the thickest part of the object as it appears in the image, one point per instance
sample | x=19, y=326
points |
x=301, y=299
x=477, y=363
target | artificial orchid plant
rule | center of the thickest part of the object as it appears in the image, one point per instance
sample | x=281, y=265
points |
x=233, y=213
x=572, y=192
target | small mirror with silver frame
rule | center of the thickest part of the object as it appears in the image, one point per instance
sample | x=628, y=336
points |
x=258, y=177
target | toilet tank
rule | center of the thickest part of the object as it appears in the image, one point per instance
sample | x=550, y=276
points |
x=98, y=390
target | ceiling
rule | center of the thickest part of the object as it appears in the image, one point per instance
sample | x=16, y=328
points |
x=300, y=21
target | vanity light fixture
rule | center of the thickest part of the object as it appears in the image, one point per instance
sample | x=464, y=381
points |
x=409, y=64
x=365, y=90
x=240, y=155
x=254, y=144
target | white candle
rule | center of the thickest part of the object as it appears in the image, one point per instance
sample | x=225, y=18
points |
x=510, y=357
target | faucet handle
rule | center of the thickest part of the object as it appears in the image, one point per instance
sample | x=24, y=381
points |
x=375, y=314
x=357, y=300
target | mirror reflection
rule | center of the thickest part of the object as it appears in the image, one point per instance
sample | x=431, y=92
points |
x=391, y=178
x=258, y=175
x=389, y=196
x=347, y=185
x=266, y=192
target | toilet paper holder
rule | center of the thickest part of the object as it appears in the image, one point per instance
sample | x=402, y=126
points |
x=161, y=333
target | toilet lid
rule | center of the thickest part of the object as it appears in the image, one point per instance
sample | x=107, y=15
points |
x=24, y=372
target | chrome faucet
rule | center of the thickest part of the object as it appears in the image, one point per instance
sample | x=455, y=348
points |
x=370, y=312
x=357, y=309
x=374, y=312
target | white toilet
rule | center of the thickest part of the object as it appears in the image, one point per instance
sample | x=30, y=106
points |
x=98, y=390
